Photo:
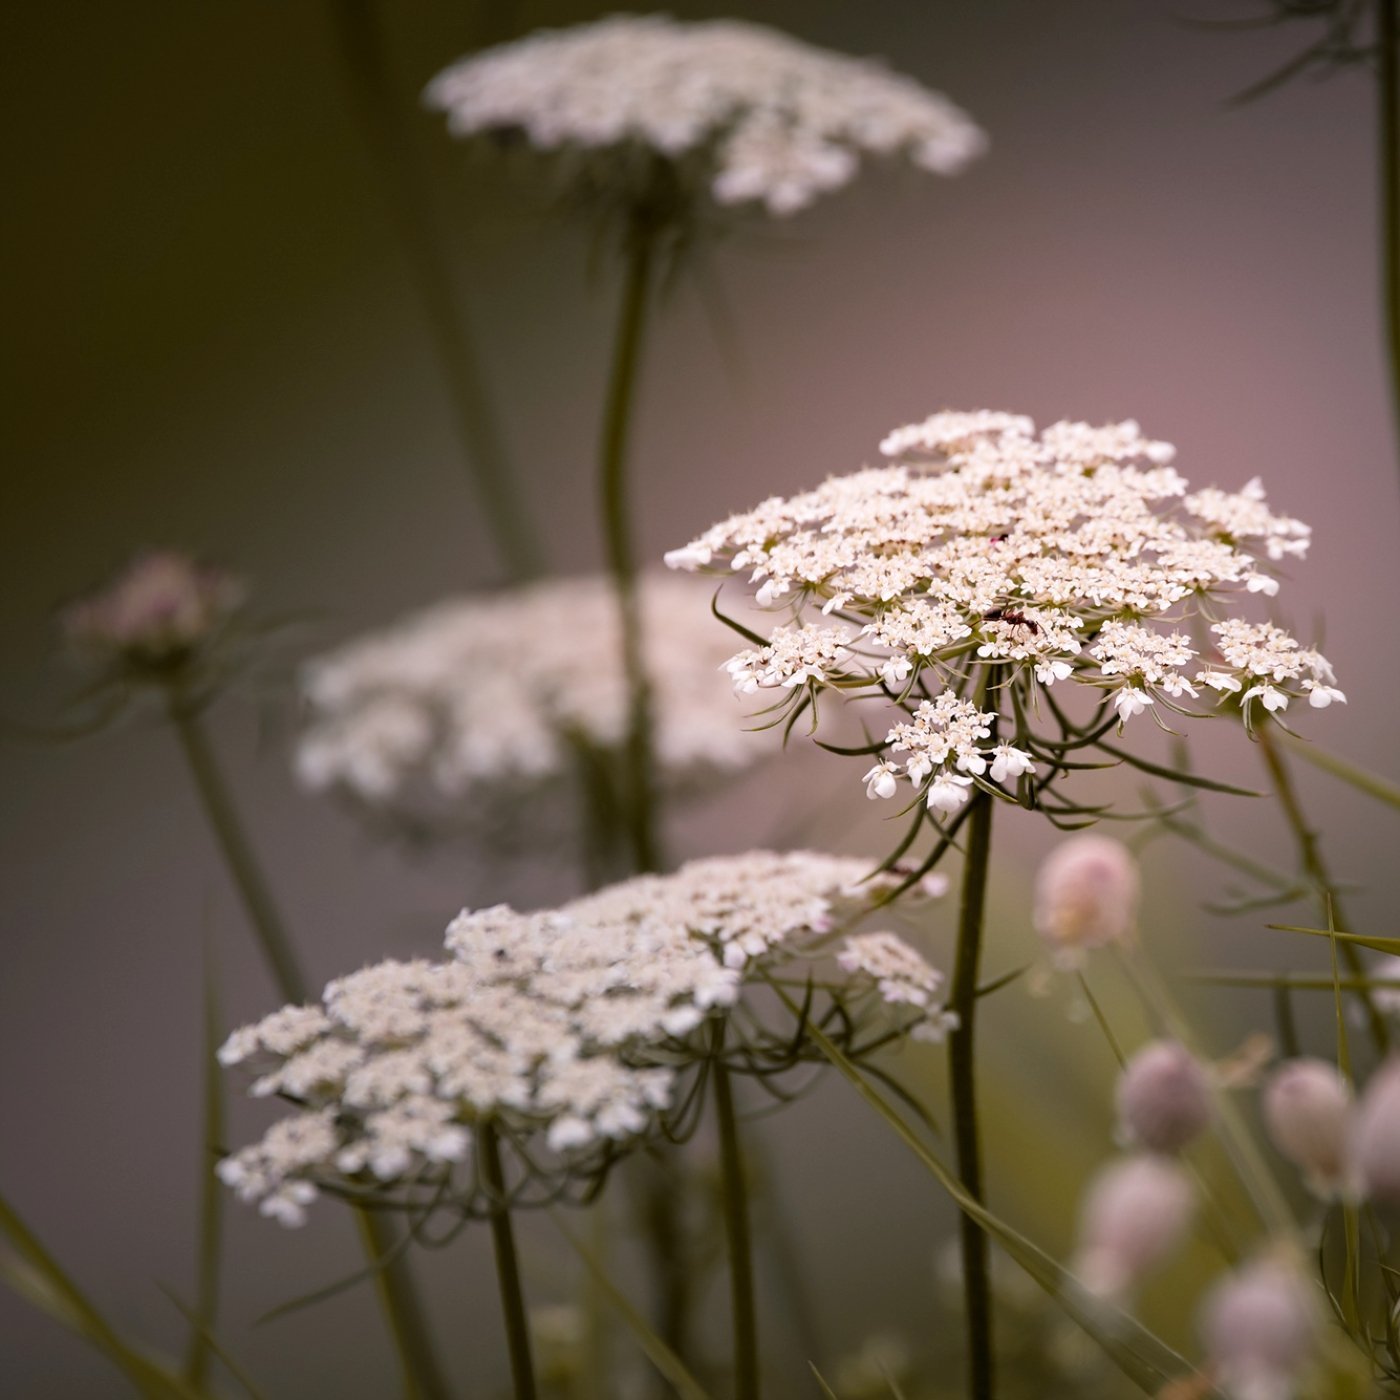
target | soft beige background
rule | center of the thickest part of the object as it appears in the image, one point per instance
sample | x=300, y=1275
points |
x=213, y=341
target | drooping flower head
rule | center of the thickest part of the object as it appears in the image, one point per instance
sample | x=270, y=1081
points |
x=1077, y=554
x=565, y=1029
x=740, y=111
x=476, y=697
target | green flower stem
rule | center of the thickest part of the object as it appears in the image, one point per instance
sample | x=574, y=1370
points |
x=1310, y=852
x=738, y=1234
x=422, y=1376
x=497, y=486
x=639, y=777
x=1388, y=43
x=272, y=936
x=517, y=1322
x=211, y=1199
x=962, y=1069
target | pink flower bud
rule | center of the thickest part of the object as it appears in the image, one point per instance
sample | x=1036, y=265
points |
x=1163, y=1098
x=1308, y=1113
x=1086, y=896
x=1376, y=1142
x=1134, y=1214
x=1259, y=1326
x=161, y=605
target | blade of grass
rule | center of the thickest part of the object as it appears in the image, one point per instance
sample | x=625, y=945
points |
x=1380, y=945
x=41, y=1279
x=661, y=1356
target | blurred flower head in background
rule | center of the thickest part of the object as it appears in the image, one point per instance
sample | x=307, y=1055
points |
x=154, y=616
x=735, y=109
x=482, y=701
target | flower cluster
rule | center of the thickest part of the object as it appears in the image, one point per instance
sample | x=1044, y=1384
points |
x=902, y=976
x=569, y=1025
x=154, y=616
x=756, y=115
x=476, y=695
x=1075, y=554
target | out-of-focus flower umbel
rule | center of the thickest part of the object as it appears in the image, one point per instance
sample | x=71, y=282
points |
x=744, y=112
x=154, y=615
x=1071, y=555
x=1387, y=997
x=1133, y=1216
x=1260, y=1326
x=568, y=1026
x=476, y=697
x=1164, y=1098
x=1086, y=896
x=1377, y=1133
x=1308, y=1112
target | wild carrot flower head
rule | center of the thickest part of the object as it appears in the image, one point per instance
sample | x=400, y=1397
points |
x=565, y=1029
x=154, y=616
x=476, y=696
x=744, y=112
x=1077, y=555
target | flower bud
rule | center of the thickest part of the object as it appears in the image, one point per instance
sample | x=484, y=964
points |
x=158, y=608
x=1134, y=1213
x=1386, y=998
x=1376, y=1141
x=1086, y=896
x=1308, y=1113
x=1163, y=1098
x=1259, y=1326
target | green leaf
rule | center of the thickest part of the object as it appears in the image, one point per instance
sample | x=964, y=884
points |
x=37, y=1276
x=1177, y=775
x=1380, y=945
x=1382, y=789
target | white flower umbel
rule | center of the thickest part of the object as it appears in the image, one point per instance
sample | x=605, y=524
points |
x=481, y=698
x=1076, y=555
x=903, y=977
x=751, y=115
x=565, y=1029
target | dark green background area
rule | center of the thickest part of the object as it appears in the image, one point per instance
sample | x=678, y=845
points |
x=212, y=339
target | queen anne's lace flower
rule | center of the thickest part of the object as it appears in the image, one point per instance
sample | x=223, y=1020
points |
x=1071, y=555
x=569, y=1025
x=756, y=115
x=476, y=695
x=903, y=977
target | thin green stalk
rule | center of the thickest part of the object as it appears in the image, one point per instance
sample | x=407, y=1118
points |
x=422, y=1376
x=660, y=1190
x=962, y=1069
x=738, y=1234
x=497, y=485
x=639, y=767
x=272, y=936
x=522, y=1368
x=1388, y=41
x=76, y=1308
x=211, y=1196
x=1310, y=853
